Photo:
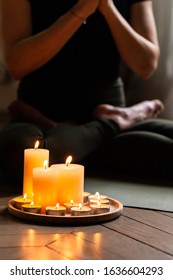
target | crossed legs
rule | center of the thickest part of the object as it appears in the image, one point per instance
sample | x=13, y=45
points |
x=146, y=144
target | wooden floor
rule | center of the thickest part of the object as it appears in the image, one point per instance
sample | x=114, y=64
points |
x=136, y=234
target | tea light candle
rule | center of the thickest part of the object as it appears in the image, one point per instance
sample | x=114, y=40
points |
x=45, y=185
x=32, y=158
x=57, y=210
x=18, y=201
x=31, y=208
x=85, y=197
x=69, y=205
x=102, y=201
x=97, y=196
x=70, y=181
x=80, y=210
x=99, y=208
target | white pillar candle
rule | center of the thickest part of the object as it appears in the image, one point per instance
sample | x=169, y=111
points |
x=32, y=158
x=44, y=186
x=70, y=181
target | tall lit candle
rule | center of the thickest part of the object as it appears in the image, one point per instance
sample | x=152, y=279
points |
x=32, y=158
x=70, y=181
x=44, y=185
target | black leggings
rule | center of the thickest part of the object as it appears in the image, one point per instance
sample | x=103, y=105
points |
x=79, y=141
x=146, y=150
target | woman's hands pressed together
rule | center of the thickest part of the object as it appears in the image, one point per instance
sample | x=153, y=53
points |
x=104, y=4
x=85, y=8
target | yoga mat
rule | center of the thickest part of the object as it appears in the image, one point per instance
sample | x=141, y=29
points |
x=133, y=194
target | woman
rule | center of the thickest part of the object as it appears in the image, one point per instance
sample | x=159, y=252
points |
x=67, y=56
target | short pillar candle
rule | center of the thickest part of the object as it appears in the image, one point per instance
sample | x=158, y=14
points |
x=44, y=186
x=70, y=182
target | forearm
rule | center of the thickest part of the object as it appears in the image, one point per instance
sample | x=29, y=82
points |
x=32, y=52
x=138, y=52
x=25, y=52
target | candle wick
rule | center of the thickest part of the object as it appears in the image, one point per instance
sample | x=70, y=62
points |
x=68, y=161
x=80, y=207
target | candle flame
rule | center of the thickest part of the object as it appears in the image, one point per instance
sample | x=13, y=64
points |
x=80, y=206
x=71, y=202
x=97, y=195
x=57, y=206
x=36, y=144
x=45, y=164
x=68, y=160
x=32, y=203
x=25, y=196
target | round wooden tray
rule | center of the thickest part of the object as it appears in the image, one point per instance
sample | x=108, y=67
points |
x=116, y=209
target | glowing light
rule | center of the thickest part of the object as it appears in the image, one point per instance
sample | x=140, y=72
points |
x=80, y=206
x=36, y=144
x=45, y=164
x=57, y=206
x=68, y=160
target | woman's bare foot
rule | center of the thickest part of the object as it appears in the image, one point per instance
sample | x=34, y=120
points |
x=129, y=116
